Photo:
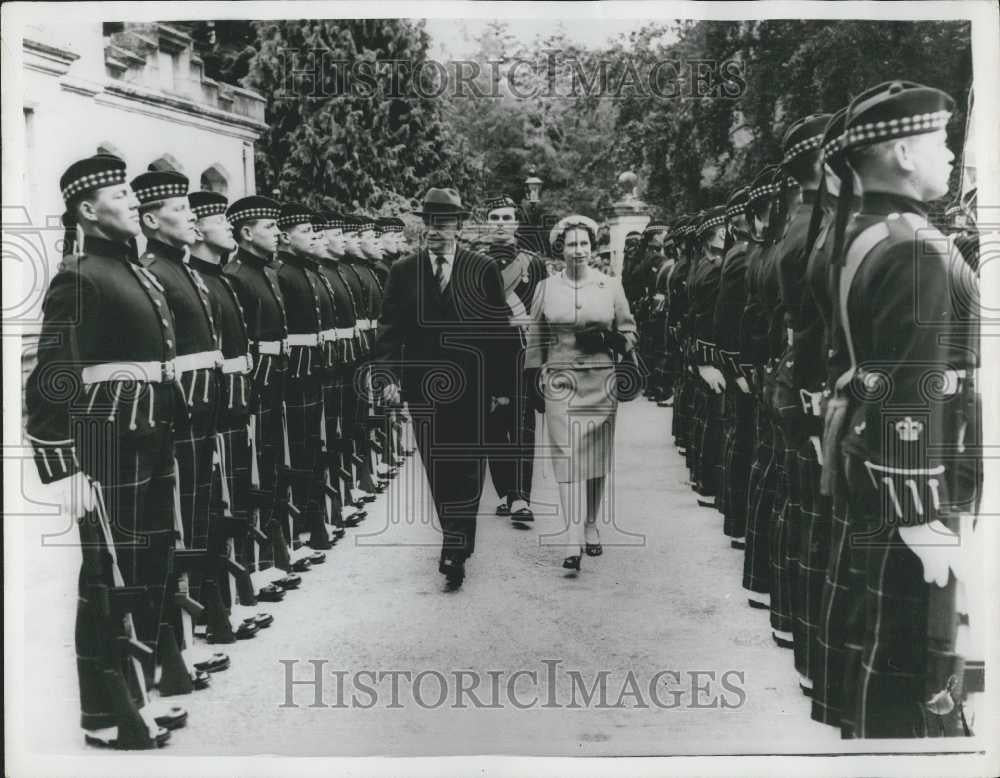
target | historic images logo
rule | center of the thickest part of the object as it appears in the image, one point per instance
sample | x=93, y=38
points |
x=312, y=683
x=317, y=74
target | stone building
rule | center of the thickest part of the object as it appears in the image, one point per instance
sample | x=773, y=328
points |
x=137, y=90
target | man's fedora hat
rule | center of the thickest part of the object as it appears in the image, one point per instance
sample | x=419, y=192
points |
x=442, y=202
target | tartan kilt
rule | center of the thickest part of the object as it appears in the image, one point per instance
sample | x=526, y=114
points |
x=738, y=461
x=193, y=449
x=891, y=668
x=303, y=413
x=837, y=602
x=235, y=443
x=696, y=428
x=760, y=499
x=710, y=449
x=137, y=482
x=783, y=540
x=728, y=424
x=681, y=421
x=814, y=553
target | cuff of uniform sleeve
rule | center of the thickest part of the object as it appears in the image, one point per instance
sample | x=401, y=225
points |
x=55, y=461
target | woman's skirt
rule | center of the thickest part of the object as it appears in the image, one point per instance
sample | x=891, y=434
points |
x=580, y=421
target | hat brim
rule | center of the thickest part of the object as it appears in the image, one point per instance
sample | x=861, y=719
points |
x=444, y=210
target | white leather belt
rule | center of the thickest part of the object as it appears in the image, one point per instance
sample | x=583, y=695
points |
x=364, y=324
x=303, y=339
x=240, y=364
x=328, y=335
x=150, y=372
x=345, y=333
x=198, y=361
x=273, y=347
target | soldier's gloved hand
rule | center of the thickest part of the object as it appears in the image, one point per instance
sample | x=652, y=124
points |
x=74, y=495
x=592, y=340
x=939, y=551
x=741, y=382
x=390, y=394
x=713, y=377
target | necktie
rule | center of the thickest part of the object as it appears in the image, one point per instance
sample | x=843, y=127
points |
x=439, y=276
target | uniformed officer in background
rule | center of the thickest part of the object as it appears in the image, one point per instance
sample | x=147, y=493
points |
x=513, y=426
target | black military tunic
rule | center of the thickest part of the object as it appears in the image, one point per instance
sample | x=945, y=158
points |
x=256, y=285
x=115, y=425
x=194, y=442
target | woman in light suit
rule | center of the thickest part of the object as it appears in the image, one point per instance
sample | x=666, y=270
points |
x=579, y=321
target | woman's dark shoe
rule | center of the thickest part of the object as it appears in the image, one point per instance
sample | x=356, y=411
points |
x=572, y=563
x=594, y=549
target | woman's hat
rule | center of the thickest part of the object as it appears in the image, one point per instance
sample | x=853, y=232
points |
x=573, y=220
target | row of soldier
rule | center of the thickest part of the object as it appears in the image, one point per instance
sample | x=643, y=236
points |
x=203, y=410
x=817, y=338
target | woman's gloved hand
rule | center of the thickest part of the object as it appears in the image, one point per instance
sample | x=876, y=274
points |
x=592, y=339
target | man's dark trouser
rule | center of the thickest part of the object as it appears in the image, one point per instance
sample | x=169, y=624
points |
x=512, y=427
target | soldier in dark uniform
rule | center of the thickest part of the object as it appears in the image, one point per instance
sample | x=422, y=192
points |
x=676, y=315
x=340, y=404
x=753, y=356
x=252, y=275
x=819, y=372
x=655, y=242
x=513, y=426
x=168, y=224
x=738, y=418
x=802, y=160
x=328, y=372
x=910, y=449
x=232, y=482
x=703, y=288
x=100, y=407
x=368, y=301
x=300, y=289
x=390, y=230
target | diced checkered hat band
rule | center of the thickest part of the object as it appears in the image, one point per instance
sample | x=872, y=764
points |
x=833, y=148
x=499, y=201
x=708, y=224
x=291, y=219
x=804, y=145
x=156, y=192
x=208, y=209
x=359, y=227
x=248, y=214
x=390, y=228
x=92, y=181
x=899, y=127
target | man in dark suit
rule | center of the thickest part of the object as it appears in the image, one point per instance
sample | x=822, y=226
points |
x=444, y=337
